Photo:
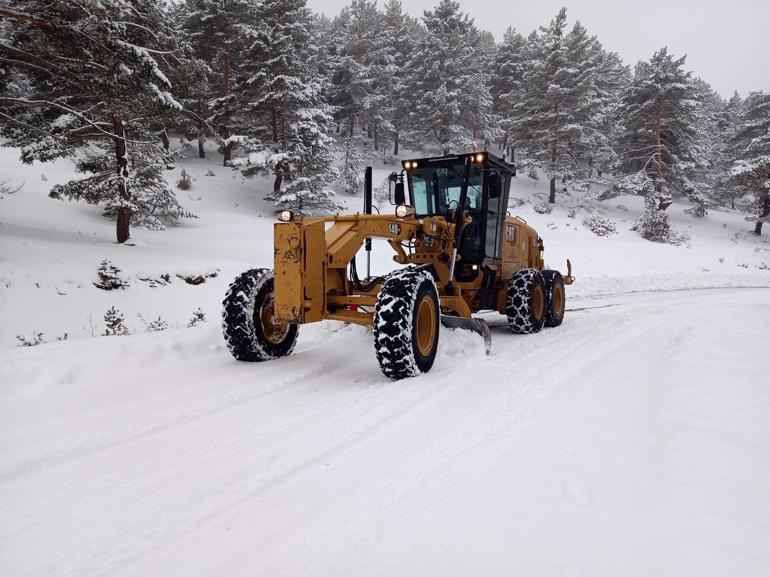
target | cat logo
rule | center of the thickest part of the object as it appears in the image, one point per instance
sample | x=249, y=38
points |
x=395, y=228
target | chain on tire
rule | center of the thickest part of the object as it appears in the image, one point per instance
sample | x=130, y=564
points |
x=526, y=301
x=248, y=325
x=406, y=323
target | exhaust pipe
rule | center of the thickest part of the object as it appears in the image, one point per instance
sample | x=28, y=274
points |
x=368, y=210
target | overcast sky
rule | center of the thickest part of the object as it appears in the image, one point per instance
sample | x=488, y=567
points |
x=727, y=42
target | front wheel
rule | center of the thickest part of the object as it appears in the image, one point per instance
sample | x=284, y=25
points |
x=406, y=323
x=250, y=329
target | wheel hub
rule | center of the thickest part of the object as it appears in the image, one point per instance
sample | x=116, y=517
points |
x=426, y=326
x=275, y=332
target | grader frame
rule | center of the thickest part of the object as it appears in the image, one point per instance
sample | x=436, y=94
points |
x=464, y=254
x=312, y=255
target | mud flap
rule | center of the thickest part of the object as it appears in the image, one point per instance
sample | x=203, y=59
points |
x=476, y=325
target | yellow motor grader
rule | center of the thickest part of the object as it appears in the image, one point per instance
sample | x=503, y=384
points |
x=463, y=254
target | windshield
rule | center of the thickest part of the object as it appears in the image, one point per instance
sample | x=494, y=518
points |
x=436, y=190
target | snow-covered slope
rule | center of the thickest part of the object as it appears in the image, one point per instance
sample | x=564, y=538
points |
x=633, y=440
x=50, y=250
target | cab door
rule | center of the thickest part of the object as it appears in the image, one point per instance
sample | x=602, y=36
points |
x=493, y=213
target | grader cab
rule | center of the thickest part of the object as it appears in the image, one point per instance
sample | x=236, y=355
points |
x=463, y=253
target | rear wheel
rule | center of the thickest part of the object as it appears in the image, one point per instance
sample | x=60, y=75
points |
x=555, y=298
x=526, y=301
x=250, y=329
x=406, y=323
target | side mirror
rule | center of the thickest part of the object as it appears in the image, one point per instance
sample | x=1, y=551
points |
x=399, y=194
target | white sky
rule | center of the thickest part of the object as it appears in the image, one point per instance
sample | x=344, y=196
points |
x=727, y=42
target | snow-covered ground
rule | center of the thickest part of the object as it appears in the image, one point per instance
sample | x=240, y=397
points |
x=633, y=440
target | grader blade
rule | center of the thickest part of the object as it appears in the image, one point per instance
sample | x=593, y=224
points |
x=476, y=325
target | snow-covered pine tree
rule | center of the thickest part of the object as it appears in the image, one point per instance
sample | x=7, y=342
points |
x=485, y=123
x=589, y=107
x=700, y=168
x=612, y=80
x=445, y=77
x=750, y=145
x=506, y=86
x=726, y=189
x=520, y=102
x=287, y=117
x=399, y=33
x=555, y=118
x=360, y=90
x=96, y=82
x=351, y=173
x=659, y=134
x=218, y=30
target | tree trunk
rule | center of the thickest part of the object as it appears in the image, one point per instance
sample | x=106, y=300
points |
x=227, y=150
x=226, y=73
x=164, y=140
x=121, y=158
x=278, y=181
x=554, y=154
x=274, y=123
x=658, y=148
x=395, y=144
x=765, y=212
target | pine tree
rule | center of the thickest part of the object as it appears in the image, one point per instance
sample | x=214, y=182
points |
x=399, y=33
x=659, y=134
x=612, y=80
x=218, y=31
x=114, y=323
x=727, y=189
x=360, y=90
x=594, y=89
x=506, y=85
x=750, y=145
x=544, y=118
x=700, y=170
x=351, y=176
x=283, y=96
x=98, y=81
x=444, y=76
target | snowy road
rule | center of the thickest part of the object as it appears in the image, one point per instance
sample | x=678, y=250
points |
x=633, y=440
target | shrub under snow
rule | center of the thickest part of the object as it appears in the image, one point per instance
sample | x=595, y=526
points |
x=600, y=225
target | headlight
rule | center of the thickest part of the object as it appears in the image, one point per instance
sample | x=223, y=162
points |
x=285, y=216
x=404, y=210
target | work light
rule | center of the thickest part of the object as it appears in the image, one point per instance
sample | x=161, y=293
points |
x=404, y=210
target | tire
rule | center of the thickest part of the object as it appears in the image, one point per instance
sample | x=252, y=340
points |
x=247, y=321
x=406, y=323
x=555, y=297
x=526, y=300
